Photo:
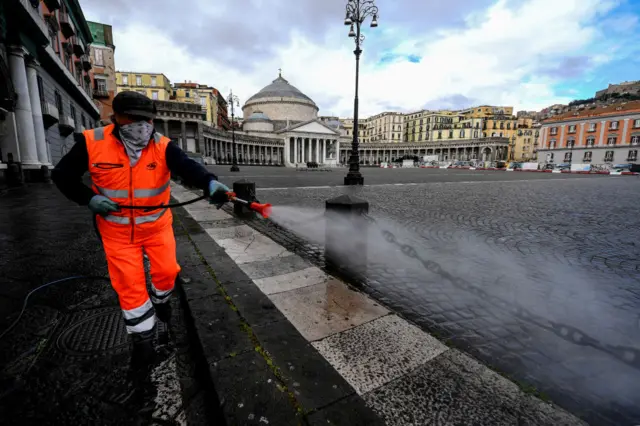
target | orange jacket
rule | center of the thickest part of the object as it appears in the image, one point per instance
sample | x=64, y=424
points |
x=145, y=184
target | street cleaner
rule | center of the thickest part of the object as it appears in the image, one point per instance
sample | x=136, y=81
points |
x=131, y=164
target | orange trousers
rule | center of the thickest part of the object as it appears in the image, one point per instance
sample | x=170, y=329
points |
x=126, y=271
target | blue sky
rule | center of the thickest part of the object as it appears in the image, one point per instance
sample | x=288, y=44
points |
x=425, y=53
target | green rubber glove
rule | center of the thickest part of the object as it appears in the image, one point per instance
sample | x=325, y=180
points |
x=100, y=204
x=218, y=193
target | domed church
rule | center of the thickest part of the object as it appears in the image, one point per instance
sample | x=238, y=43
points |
x=281, y=111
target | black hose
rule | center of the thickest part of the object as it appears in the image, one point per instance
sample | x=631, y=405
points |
x=162, y=206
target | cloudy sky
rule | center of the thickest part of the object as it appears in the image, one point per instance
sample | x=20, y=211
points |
x=424, y=53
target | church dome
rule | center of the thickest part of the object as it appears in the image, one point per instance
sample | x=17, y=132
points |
x=282, y=103
x=257, y=122
x=279, y=88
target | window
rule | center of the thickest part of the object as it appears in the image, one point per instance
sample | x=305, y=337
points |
x=635, y=140
x=40, y=89
x=439, y=135
x=461, y=133
x=72, y=110
x=613, y=125
x=633, y=155
x=572, y=128
x=591, y=141
x=636, y=124
x=138, y=80
x=125, y=80
x=611, y=140
x=608, y=156
x=154, y=81
x=203, y=101
x=101, y=84
x=592, y=127
x=450, y=135
x=571, y=143
x=59, y=103
x=99, y=59
x=186, y=94
x=83, y=121
x=567, y=156
x=552, y=143
x=508, y=126
x=154, y=95
x=587, y=156
x=501, y=125
x=67, y=61
x=55, y=41
x=554, y=131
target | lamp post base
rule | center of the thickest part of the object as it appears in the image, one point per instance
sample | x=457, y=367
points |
x=235, y=168
x=354, y=178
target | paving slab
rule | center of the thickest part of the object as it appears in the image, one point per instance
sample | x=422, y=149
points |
x=291, y=281
x=251, y=393
x=277, y=266
x=242, y=231
x=375, y=353
x=314, y=382
x=252, y=248
x=350, y=411
x=323, y=309
x=209, y=214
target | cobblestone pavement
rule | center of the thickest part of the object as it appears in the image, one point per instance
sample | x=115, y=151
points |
x=280, y=177
x=553, y=293
x=66, y=361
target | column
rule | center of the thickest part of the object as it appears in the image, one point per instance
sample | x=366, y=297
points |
x=36, y=112
x=295, y=151
x=317, y=159
x=561, y=142
x=625, y=129
x=166, y=127
x=602, y=126
x=308, y=150
x=323, y=150
x=23, y=113
x=183, y=135
x=199, y=137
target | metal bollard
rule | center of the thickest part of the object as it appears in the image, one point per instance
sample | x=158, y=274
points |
x=244, y=190
x=346, y=235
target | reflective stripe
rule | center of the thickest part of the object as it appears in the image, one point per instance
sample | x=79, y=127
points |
x=137, y=312
x=121, y=220
x=113, y=193
x=157, y=137
x=160, y=296
x=145, y=193
x=150, y=217
x=145, y=325
x=98, y=134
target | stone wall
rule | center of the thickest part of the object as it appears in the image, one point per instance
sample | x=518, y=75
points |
x=58, y=145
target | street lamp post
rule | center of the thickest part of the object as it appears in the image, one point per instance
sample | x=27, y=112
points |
x=357, y=12
x=233, y=101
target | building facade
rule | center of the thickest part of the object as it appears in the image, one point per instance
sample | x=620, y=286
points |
x=385, y=127
x=441, y=125
x=599, y=136
x=155, y=86
x=46, y=92
x=205, y=96
x=102, y=55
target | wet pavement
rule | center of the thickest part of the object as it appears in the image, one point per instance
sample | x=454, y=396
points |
x=66, y=361
x=535, y=275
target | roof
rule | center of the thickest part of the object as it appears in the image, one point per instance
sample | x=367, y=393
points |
x=613, y=109
x=280, y=88
x=258, y=115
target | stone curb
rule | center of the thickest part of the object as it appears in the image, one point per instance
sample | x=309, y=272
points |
x=398, y=370
x=262, y=369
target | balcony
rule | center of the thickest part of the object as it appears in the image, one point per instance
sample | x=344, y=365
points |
x=66, y=26
x=86, y=63
x=52, y=4
x=30, y=20
x=78, y=46
x=66, y=126
x=100, y=92
x=50, y=114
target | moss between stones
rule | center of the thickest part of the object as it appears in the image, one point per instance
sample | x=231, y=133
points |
x=244, y=325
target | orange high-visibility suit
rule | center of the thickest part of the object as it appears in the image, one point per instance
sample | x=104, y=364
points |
x=127, y=234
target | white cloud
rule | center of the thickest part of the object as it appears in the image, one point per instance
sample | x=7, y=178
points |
x=498, y=58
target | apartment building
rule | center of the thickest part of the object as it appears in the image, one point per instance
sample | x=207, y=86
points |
x=208, y=98
x=102, y=52
x=599, y=135
x=440, y=125
x=386, y=127
x=154, y=85
x=45, y=84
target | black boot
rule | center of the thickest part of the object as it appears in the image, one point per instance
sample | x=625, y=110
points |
x=143, y=354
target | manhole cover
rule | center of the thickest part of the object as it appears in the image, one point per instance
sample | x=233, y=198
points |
x=94, y=332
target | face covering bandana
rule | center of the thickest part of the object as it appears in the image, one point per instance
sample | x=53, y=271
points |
x=135, y=137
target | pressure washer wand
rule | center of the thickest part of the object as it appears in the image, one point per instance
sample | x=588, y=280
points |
x=262, y=209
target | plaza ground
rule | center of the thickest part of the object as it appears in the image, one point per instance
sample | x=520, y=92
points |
x=551, y=263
